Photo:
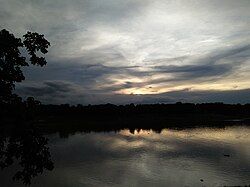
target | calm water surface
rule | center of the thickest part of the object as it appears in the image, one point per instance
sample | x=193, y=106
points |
x=193, y=157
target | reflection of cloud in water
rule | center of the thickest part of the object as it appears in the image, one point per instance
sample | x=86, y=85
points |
x=228, y=134
x=145, y=158
x=173, y=157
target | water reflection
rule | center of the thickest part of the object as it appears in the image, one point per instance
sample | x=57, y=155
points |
x=27, y=147
x=193, y=157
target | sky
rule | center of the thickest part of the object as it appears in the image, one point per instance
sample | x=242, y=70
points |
x=136, y=51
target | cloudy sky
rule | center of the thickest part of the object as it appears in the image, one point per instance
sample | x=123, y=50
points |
x=140, y=51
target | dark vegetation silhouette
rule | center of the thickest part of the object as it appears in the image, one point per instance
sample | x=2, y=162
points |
x=22, y=123
x=104, y=117
x=27, y=147
x=67, y=119
x=92, y=117
x=11, y=60
x=19, y=140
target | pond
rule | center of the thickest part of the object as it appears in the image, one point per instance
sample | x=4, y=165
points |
x=189, y=157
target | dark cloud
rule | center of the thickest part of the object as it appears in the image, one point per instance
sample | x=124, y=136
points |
x=93, y=80
x=197, y=71
x=99, y=48
x=48, y=88
x=204, y=66
x=65, y=92
x=175, y=59
x=231, y=52
x=232, y=96
x=208, y=68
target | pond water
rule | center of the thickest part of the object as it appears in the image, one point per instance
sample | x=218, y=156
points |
x=192, y=157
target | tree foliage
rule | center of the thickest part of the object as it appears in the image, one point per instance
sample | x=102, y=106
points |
x=12, y=60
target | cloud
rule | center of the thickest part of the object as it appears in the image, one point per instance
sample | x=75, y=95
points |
x=99, y=83
x=136, y=46
x=58, y=92
x=216, y=64
x=50, y=91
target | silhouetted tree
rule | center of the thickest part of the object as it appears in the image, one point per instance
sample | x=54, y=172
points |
x=31, y=107
x=11, y=59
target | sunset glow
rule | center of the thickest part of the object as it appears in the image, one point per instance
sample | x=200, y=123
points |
x=104, y=50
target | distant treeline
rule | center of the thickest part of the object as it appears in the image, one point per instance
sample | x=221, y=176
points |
x=35, y=108
x=67, y=119
x=149, y=109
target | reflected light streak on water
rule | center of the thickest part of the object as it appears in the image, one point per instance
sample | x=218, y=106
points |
x=192, y=157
